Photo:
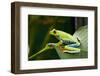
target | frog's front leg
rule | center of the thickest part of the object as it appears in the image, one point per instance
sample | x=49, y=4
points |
x=72, y=48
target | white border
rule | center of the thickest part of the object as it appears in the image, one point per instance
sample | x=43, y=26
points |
x=25, y=64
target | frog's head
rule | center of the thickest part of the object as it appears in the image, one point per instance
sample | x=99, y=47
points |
x=53, y=32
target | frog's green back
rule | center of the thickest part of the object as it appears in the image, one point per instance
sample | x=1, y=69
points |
x=66, y=36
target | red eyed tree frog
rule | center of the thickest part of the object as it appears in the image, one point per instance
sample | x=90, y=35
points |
x=67, y=42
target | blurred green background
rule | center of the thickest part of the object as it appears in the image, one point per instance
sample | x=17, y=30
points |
x=38, y=35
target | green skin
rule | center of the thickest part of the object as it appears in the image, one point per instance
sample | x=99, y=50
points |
x=64, y=36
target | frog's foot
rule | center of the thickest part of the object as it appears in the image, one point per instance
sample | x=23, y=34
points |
x=51, y=45
x=71, y=52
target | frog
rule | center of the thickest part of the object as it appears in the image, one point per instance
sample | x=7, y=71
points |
x=67, y=42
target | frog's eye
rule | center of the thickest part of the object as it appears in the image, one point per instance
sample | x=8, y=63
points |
x=54, y=32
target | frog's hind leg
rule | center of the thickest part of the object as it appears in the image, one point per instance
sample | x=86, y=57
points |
x=71, y=49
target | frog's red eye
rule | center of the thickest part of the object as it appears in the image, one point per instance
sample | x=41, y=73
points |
x=54, y=32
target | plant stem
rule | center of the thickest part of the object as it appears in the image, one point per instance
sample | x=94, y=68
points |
x=38, y=53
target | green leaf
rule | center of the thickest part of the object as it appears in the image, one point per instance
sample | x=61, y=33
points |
x=82, y=35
